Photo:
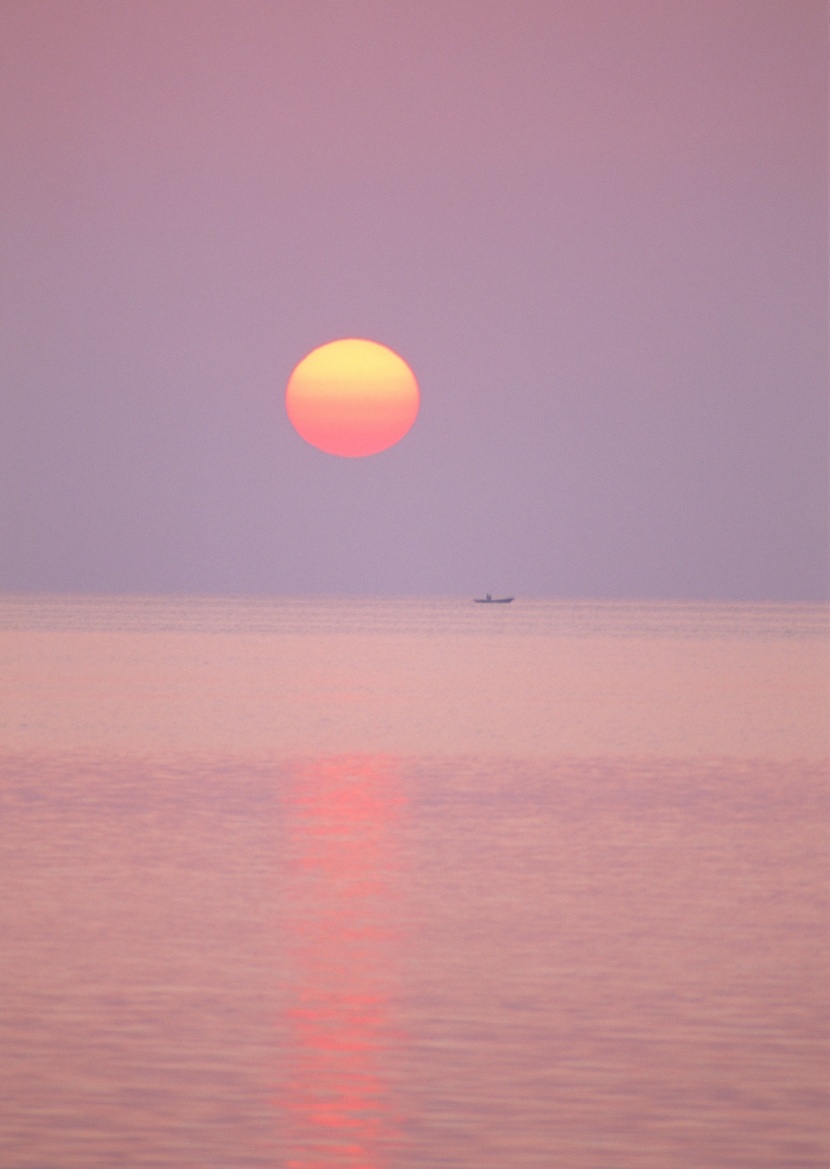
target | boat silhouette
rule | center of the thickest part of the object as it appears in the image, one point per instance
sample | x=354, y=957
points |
x=488, y=600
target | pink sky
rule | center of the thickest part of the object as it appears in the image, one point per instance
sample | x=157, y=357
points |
x=597, y=231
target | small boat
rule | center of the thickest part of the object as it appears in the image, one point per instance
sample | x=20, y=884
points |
x=488, y=600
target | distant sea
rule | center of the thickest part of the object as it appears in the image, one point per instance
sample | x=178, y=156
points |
x=380, y=884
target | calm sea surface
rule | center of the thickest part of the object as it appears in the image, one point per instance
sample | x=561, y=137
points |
x=387, y=884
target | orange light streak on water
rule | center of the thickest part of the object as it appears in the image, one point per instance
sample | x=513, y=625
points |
x=335, y=1103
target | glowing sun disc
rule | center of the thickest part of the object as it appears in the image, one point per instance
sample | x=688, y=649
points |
x=352, y=398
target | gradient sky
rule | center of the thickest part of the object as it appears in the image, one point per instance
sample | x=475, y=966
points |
x=597, y=231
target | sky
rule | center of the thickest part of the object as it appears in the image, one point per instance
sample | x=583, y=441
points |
x=597, y=230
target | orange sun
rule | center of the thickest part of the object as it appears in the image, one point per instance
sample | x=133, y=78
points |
x=352, y=398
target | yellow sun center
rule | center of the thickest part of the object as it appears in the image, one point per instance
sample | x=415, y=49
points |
x=352, y=398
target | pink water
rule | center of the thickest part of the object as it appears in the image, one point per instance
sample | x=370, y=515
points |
x=396, y=884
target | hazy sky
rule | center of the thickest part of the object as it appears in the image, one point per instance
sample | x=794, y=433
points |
x=596, y=229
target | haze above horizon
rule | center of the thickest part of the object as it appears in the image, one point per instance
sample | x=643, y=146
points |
x=597, y=233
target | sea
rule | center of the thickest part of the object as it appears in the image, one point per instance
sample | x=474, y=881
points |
x=372, y=883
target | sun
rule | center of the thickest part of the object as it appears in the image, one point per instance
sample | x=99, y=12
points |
x=352, y=398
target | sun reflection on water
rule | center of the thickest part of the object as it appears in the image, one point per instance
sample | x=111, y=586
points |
x=336, y=1101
